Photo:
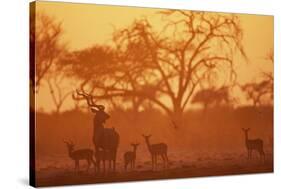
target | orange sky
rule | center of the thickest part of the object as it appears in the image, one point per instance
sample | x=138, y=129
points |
x=88, y=24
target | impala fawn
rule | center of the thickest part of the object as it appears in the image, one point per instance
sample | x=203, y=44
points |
x=253, y=144
x=81, y=154
x=155, y=150
x=130, y=157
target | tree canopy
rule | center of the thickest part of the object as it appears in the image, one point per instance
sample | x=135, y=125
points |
x=162, y=66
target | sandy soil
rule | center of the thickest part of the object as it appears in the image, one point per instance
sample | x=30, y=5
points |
x=61, y=172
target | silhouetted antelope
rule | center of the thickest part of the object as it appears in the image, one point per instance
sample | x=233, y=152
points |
x=253, y=144
x=103, y=156
x=130, y=157
x=81, y=154
x=155, y=150
x=104, y=139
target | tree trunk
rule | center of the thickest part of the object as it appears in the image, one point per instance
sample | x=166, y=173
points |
x=177, y=116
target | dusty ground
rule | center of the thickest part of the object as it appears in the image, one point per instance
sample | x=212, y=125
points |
x=61, y=172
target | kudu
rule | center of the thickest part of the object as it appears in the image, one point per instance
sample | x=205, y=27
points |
x=81, y=154
x=253, y=144
x=106, y=140
x=155, y=150
x=130, y=157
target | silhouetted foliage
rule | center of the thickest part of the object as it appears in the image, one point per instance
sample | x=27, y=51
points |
x=152, y=65
x=45, y=36
x=269, y=74
x=48, y=45
x=270, y=56
x=261, y=92
x=256, y=91
x=212, y=96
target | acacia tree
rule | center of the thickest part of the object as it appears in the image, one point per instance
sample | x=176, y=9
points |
x=99, y=69
x=262, y=90
x=256, y=91
x=166, y=66
x=270, y=58
x=91, y=67
x=46, y=35
x=48, y=49
x=212, y=96
x=269, y=75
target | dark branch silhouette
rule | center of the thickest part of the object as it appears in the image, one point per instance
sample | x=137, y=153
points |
x=57, y=92
x=48, y=46
x=154, y=65
x=256, y=91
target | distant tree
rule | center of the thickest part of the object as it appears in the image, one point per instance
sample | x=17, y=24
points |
x=212, y=96
x=269, y=75
x=163, y=66
x=256, y=91
x=261, y=91
x=270, y=57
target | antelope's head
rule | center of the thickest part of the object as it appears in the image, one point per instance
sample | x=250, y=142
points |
x=101, y=115
x=246, y=130
x=69, y=145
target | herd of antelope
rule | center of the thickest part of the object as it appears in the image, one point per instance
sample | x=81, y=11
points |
x=106, y=142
